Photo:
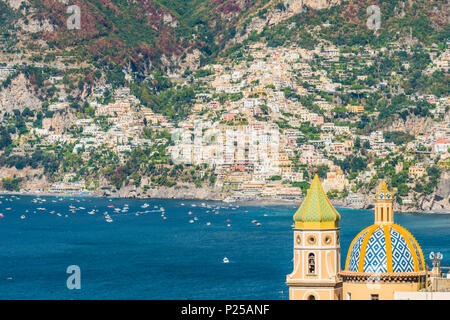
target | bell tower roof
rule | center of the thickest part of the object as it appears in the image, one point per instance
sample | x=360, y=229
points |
x=316, y=210
x=384, y=193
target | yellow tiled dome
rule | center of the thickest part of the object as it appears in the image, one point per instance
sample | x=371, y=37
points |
x=316, y=210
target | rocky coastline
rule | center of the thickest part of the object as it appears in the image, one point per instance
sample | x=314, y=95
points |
x=185, y=192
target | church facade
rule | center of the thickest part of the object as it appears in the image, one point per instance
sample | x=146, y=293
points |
x=383, y=258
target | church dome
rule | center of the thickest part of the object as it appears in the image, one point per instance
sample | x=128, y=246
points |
x=388, y=248
x=316, y=210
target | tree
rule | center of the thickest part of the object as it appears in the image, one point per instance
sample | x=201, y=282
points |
x=5, y=138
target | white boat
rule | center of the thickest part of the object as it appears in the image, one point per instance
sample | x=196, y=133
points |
x=229, y=200
x=195, y=218
x=22, y=217
x=109, y=220
x=145, y=205
x=258, y=224
x=225, y=260
x=191, y=221
x=190, y=212
x=208, y=223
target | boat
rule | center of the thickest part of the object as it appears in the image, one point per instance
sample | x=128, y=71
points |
x=191, y=221
x=22, y=217
x=229, y=200
x=145, y=205
x=190, y=212
x=225, y=260
x=1, y=215
x=109, y=220
x=195, y=218
x=91, y=212
x=258, y=224
x=111, y=207
x=228, y=225
x=208, y=223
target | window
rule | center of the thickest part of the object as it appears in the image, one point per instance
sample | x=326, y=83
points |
x=374, y=297
x=311, y=239
x=311, y=297
x=311, y=263
x=349, y=296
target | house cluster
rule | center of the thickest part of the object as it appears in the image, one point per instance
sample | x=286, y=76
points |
x=252, y=136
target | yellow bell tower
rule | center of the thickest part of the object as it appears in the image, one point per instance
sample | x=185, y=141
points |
x=317, y=251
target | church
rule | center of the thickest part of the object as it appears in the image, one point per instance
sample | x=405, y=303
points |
x=383, y=259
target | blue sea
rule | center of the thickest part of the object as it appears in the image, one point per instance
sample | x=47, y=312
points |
x=141, y=255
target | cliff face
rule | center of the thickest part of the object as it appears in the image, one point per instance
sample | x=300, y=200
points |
x=18, y=95
x=59, y=122
x=275, y=16
x=412, y=125
x=439, y=201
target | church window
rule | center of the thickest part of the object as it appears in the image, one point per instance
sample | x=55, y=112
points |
x=311, y=263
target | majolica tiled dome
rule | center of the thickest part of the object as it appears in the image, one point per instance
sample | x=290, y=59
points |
x=316, y=210
x=385, y=249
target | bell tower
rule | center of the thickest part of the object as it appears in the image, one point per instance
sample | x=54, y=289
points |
x=384, y=206
x=317, y=252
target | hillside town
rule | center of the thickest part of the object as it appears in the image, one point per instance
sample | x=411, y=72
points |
x=261, y=124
